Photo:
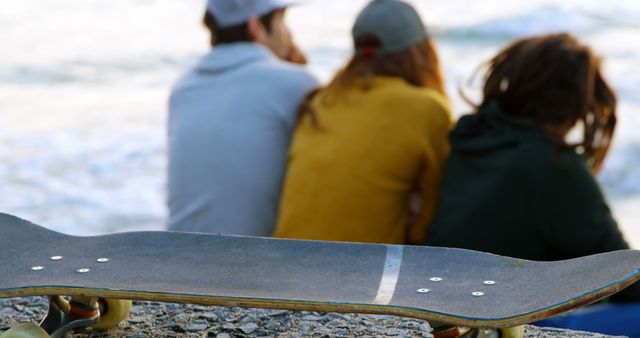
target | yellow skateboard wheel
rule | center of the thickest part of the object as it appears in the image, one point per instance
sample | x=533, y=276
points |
x=25, y=330
x=512, y=332
x=112, y=312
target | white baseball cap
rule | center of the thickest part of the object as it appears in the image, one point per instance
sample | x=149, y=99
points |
x=234, y=12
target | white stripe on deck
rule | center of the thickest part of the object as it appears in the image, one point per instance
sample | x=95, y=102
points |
x=390, y=275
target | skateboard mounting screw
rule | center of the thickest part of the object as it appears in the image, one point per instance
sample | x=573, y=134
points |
x=83, y=270
x=102, y=260
x=423, y=290
x=37, y=268
x=56, y=258
x=435, y=279
x=477, y=294
x=489, y=282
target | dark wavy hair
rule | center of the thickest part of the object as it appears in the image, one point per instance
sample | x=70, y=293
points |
x=556, y=82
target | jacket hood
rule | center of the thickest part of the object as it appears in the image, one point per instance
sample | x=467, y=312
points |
x=233, y=55
x=490, y=128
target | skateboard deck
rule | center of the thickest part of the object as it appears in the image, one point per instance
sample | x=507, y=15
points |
x=450, y=286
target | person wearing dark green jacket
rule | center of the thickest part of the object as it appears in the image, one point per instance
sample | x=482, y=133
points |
x=509, y=190
x=513, y=185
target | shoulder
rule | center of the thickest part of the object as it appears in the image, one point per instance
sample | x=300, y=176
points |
x=432, y=98
x=286, y=74
x=413, y=98
x=552, y=170
x=422, y=105
x=543, y=158
x=181, y=89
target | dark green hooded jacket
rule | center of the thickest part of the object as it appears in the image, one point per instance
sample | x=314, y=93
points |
x=507, y=189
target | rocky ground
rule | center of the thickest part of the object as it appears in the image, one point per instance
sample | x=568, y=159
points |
x=148, y=319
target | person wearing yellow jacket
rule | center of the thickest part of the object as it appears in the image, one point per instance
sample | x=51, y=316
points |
x=367, y=156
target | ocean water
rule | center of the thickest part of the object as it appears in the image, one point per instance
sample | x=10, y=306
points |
x=84, y=86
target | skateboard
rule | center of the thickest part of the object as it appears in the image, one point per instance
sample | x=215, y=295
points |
x=450, y=288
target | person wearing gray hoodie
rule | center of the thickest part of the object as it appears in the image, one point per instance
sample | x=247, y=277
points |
x=231, y=119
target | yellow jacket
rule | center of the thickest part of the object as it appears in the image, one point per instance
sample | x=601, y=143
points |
x=351, y=178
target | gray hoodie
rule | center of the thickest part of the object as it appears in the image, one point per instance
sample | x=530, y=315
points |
x=230, y=123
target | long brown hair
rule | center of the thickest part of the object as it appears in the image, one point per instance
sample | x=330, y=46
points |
x=556, y=82
x=418, y=65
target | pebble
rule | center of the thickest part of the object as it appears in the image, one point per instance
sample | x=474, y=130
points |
x=177, y=328
x=136, y=320
x=340, y=316
x=7, y=312
x=181, y=318
x=312, y=318
x=324, y=331
x=342, y=332
x=228, y=326
x=410, y=324
x=197, y=327
x=210, y=316
x=272, y=326
x=305, y=328
x=424, y=327
x=249, y=328
x=394, y=332
x=276, y=313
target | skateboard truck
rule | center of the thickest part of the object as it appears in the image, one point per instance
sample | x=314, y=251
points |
x=449, y=331
x=512, y=332
x=64, y=316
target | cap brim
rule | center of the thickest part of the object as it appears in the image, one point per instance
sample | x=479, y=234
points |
x=286, y=3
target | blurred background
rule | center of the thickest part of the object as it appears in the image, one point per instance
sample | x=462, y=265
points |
x=84, y=87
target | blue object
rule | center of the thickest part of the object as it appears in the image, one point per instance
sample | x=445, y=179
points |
x=612, y=319
x=230, y=124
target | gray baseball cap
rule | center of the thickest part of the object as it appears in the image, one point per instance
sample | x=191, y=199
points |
x=234, y=12
x=395, y=23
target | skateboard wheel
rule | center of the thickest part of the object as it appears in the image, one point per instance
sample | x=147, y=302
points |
x=512, y=332
x=112, y=312
x=25, y=330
